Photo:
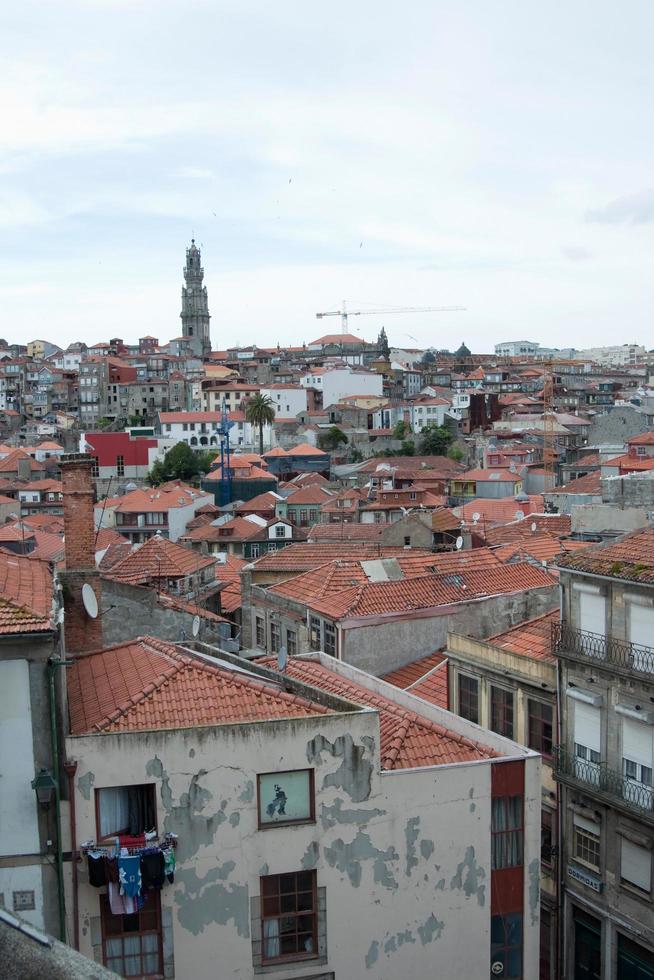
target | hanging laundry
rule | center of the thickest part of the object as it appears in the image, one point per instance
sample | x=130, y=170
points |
x=129, y=871
x=120, y=904
x=112, y=869
x=152, y=869
x=169, y=863
x=97, y=869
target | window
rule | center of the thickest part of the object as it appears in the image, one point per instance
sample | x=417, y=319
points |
x=275, y=635
x=303, y=518
x=506, y=945
x=469, y=698
x=95, y=466
x=501, y=709
x=125, y=810
x=540, y=726
x=586, y=842
x=120, y=465
x=314, y=633
x=260, y=633
x=289, y=916
x=637, y=762
x=254, y=551
x=635, y=865
x=407, y=541
x=330, y=639
x=506, y=831
x=280, y=531
x=285, y=797
x=291, y=642
x=155, y=517
x=634, y=961
x=546, y=838
x=131, y=944
x=587, y=735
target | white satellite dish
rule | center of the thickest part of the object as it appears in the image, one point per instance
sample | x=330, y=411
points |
x=90, y=601
x=476, y=516
x=282, y=659
x=534, y=525
x=195, y=625
x=519, y=515
x=459, y=543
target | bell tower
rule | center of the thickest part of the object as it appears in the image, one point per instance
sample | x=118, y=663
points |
x=195, y=304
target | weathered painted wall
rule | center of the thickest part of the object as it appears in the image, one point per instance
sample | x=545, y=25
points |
x=403, y=858
x=138, y=612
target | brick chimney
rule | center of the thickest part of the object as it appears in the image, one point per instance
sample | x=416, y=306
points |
x=81, y=632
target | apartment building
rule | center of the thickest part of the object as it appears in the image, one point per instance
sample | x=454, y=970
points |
x=605, y=758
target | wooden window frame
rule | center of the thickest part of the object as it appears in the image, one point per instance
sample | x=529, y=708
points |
x=463, y=696
x=288, y=823
x=546, y=850
x=106, y=916
x=291, y=642
x=300, y=955
x=151, y=789
x=329, y=629
x=275, y=637
x=536, y=738
x=503, y=711
x=315, y=632
x=516, y=831
x=580, y=834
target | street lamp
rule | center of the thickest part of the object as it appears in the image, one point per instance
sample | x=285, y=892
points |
x=45, y=787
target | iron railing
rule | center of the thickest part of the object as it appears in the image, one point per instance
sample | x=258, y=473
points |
x=608, y=782
x=594, y=647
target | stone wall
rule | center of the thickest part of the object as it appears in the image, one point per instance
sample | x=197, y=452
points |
x=138, y=612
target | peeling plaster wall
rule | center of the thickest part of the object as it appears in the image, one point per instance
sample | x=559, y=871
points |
x=403, y=858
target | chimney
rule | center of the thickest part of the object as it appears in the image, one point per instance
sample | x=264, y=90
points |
x=81, y=631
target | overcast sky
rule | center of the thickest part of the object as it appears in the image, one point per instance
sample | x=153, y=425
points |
x=492, y=154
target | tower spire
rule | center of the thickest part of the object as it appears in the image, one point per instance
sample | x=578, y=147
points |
x=195, y=303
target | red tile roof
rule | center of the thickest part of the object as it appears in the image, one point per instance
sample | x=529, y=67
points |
x=302, y=557
x=590, y=483
x=25, y=595
x=352, y=532
x=408, y=740
x=426, y=678
x=530, y=639
x=159, y=499
x=631, y=558
x=148, y=684
x=644, y=439
x=500, y=510
x=158, y=558
x=310, y=495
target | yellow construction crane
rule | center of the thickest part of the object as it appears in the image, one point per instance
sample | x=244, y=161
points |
x=344, y=313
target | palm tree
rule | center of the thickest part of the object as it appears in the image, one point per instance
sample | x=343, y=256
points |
x=260, y=410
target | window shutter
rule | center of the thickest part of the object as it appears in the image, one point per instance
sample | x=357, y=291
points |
x=587, y=726
x=585, y=824
x=592, y=613
x=641, y=624
x=636, y=865
x=637, y=742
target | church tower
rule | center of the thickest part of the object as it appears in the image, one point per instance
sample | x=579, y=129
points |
x=195, y=304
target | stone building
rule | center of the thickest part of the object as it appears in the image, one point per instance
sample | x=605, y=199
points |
x=605, y=759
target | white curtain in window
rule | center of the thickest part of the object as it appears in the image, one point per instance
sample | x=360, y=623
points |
x=636, y=865
x=114, y=810
x=271, y=938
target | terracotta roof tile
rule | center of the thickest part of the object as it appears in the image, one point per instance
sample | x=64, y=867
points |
x=530, y=639
x=353, y=532
x=426, y=678
x=158, y=558
x=148, y=684
x=25, y=595
x=408, y=740
x=631, y=558
x=590, y=483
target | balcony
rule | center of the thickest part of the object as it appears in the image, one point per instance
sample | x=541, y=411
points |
x=609, y=785
x=620, y=655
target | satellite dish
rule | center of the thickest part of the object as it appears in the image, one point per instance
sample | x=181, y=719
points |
x=534, y=525
x=459, y=543
x=195, y=625
x=90, y=601
x=476, y=516
x=519, y=515
x=282, y=659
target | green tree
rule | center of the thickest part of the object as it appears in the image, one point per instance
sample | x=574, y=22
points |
x=179, y=463
x=428, y=357
x=400, y=429
x=382, y=345
x=408, y=448
x=434, y=440
x=331, y=439
x=455, y=452
x=260, y=411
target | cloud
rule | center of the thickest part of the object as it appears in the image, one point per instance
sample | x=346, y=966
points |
x=634, y=209
x=577, y=253
x=194, y=173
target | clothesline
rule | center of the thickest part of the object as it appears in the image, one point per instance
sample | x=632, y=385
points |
x=112, y=847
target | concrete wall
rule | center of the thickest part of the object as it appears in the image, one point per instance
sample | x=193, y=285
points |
x=385, y=646
x=402, y=858
x=633, y=490
x=138, y=612
x=607, y=517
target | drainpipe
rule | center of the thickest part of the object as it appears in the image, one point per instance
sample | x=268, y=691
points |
x=52, y=664
x=71, y=769
x=560, y=931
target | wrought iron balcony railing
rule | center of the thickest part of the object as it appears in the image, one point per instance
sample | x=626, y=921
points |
x=598, y=778
x=594, y=647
